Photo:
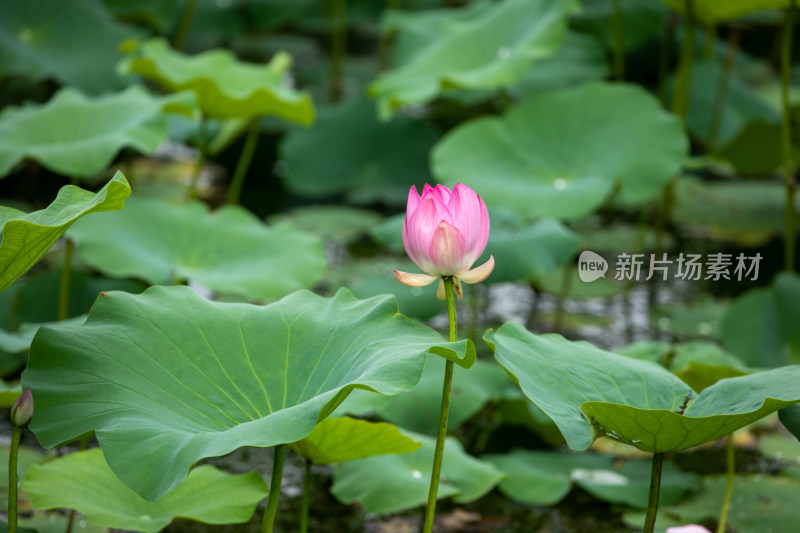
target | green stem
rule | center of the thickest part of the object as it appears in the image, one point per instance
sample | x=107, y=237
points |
x=387, y=37
x=274, y=489
x=655, y=489
x=722, y=85
x=726, y=502
x=664, y=59
x=199, y=160
x=709, y=39
x=563, y=294
x=683, y=76
x=246, y=157
x=786, y=135
x=13, y=453
x=185, y=24
x=305, y=504
x=618, y=26
x=63, y=287
x=338, y=46
x=436, y=473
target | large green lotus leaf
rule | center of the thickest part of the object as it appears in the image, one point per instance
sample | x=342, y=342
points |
x=166, y=378
x=561, y=154
x=746, y=212
x=229, y=251
x=579, y=60
x=714, y=11
x=390, y=483
x=698, y=319
x=84, y=482
x=589, y=392
x=336, y=440
x=225, y=87
x=759, y=503
x=338, y=223
x=73, y=42
x=700, y=364
x=484, y=46
x=418, y=410
x=79, y=136
x=545, y=478
x=371, y=277
x=762, y=326
x=742, y=105
x=357, y=156
x=24, y=238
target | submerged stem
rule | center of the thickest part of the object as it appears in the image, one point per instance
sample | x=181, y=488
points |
x=430, y=510
x=63, y=288
x=305, y=504
x=786, y=135
x=726, y=502
x=655, y=489
x=246, y=157
x=13, y=453
x=618, y=25
x=274, y=489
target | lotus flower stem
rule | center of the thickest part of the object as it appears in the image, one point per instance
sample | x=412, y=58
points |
x=199, y=160
x=563, y=294
x=185, y=24
x=786, y=134
x=723, y=84
x=443, y=413
x=13, y=453
x=338, y=46
x=683, y=76
x=618, y=24
x=305, y=504
x=726, y=501
x=274, y=489
x=655, y=489
x=246, y=157
x=63, y=287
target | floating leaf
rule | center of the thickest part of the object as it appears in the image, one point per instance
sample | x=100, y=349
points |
x=79, y=136
x=229, y=251
x=561, y=154
x=545, y=478
x=20, y=340
x=389, y=483
x=356, y=155
x=484, y=46
x=758, y=504
x=741, y=106
x=167, y=378
x=24, y=238
x=333, y=222
x=418, y=410
x=336, y=440
x=589, y=392
x=745, y=212
x=73, y=42
x=372, y=277
x=225, y=87
x=761, y=326
x=579, y=60
x=714, y=11
x=83, y=481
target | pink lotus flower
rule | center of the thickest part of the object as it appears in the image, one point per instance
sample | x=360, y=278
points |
x=445, y=232
x=688, y=529
x=22, y=410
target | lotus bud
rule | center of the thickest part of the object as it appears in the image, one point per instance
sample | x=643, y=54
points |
x=444, y=233
x=22, y=410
